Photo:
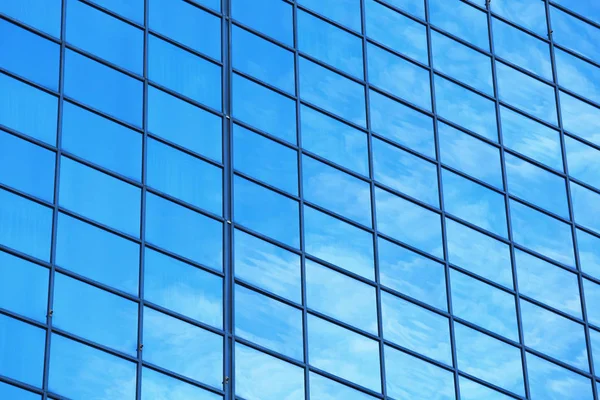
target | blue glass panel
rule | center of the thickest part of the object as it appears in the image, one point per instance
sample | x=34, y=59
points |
x=103, y=88
x=214, y=4
x=184, y=176
x=551, y=382
x=266, y=212
x=115, y=319
x=470, y=390
x=25, y=226
x=98, y=196
x=575, y=34
x=101, y=141
x=589, y=252
x=106, y=37
x=353, y=196
x=399, y=218
x=184, y=72
x=27, y=167
x=345, y=12
x=189, y=25
x=173, y=119
x=461, y=62
x=412, y=274
x=584, y=161
x=522, y=49
x=415, y=7
x=262, y=59
x=332, y=92
x=580, y=118
x=470, y=155
x=132, y=9
x=484, y=305
x=41, y=14
x=416, y=328
x=159, y=386
x=267, y=266
x=405, y=172
x=531, y=138
x=595, y=344
x=341, y=297
x=592, y=301
x=536, y=185
x=28, y=110
x=82, y=372
x=22, y=348
x=396, y=31
x=338, y=242
x=408, y=377
x=183, y=288
x=97, y=254
x=586, y=8
x=466, y=108
x=183, y=348
x=578, y=75
x=330, y=44
x=263, y=108
x=334, y=140
x=40, y=63
x=14, y=393
x=402, y=124
x=399, y=77
x=277, y=165
x=547, y=283
x=542, y=233
x=183, y=231
x=460, y=19
x=489, y=359
x=586, y=207
x=530, y=14
x=344, y=353
x=474, y=203
x=478, y=253
x=268, y=322
x=271, y=17
x=24, y=287
x=262, y=377
x=327, y=389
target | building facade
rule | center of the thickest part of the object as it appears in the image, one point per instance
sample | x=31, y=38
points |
x=294, y=200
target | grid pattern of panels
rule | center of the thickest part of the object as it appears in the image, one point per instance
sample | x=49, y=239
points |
x=357, y=199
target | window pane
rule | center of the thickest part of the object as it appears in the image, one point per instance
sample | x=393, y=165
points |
x=79, y=371
x=101, y=141
x=25, y=226
x=344, y=353
x=97, y=254
x=14, y=393
x=27, y=167
x=22, y=348
x=353, y=196
x=338, y=242
x=268, y=323
x=587, y=8
x=415, y=7
x=580, y=118
x=549, y=381
x=412, y=274
x=184, y=124
x=106, y=37
x=184, y=72
x=334, y=140
x=24, y=287
x=330, y=44
x=187, y=24
x=103, y=88
x=184, y=176
x=28, y=110
x=400, y=218
x=159, y=386
x=402, y=124
x=183, y=348
x=530, y=14
x=332, y=92
x=460, y=19
x=263, y=108
x=98, y=196
x=132, y=9
x=40, y=61
x=40, y=14
x=399, y=77
x=575, y=34
x=589, y=253
x=115, y=319
x=267, y=266
x=183, y=288
x=265, y=159
x=185, y=232
x=262, y=377
x=584, y=161
x=271, y=17
x=578, y=75
x=262, y=59
x=341, y=297
x=345, y=12
x=592, y=301
x=470, y=390
x=328, y=389
x=586, y=206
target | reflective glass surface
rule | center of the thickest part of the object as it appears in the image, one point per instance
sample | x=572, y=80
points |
x=461, y=20
x=22, y=349
x=40, y=14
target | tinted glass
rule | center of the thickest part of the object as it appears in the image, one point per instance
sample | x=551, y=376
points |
x=578, y=75
x=156, y=385
x=40, y=14
x=460, y=19
x=584, y=161
x=589, y=252
x=575, y=34
x=345, y=12
x=580, y=118
x=13, y=392
x=586, y=207
x=271, y=17
x=133, y=9
x=529, y=14
x=327, y=389
x=22, y=349
x=549, y=381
